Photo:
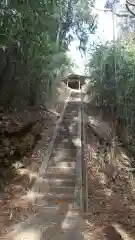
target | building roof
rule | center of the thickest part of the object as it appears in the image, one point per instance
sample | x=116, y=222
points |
x=74, y=77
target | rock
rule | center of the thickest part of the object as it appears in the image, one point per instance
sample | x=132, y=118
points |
x=37, y=128
x=18, y=165
x=101, y=128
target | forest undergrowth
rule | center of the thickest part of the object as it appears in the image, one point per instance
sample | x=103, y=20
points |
x=111, y=182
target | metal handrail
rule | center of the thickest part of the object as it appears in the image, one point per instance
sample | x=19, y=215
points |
x=84, y=159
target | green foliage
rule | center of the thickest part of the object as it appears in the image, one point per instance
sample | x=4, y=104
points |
x=34, y=38
x=113, y=77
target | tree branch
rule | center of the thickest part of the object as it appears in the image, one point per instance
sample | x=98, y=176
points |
x=131, y=4
x=117, y=14
x=128, y=8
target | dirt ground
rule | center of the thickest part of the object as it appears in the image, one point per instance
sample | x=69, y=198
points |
x=12, y=204
x=17, y=181
x=111, y=186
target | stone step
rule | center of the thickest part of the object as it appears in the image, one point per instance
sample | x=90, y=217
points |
x=61, y=164
x=68, y=149
x=64, y=133
x=59, y=158
x=61, y=225
x=58, y=197
x=59, y=182
x=45, y=187
x=58, y=175
x=61, y=170
x=62, y=190
x=61, y=149
x=52, y=222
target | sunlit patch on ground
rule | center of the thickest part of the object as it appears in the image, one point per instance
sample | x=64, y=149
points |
x=122, y=232
x=102, y=178
x=28, y=234
x=108, y=192
x=71, y=219
x=27, y=172
x=77, y=142
x=53, y=190
x=111, y=192
x=32, y=196
x=14, y=204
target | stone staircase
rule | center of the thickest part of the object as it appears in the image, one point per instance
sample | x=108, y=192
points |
x=57, y=215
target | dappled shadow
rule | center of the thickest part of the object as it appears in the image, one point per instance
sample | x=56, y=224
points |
x=46, y=224
x=53, y=194
x=18, y=179
x=111, y=191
